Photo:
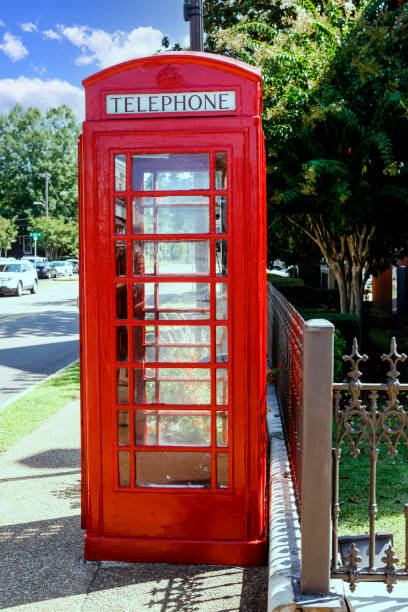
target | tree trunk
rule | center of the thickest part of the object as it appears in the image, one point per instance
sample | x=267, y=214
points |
x=347, y=257
x=338, y=271
x=356, y=292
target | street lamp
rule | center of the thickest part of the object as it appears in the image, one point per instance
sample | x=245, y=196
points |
x=44, y=206
x=193, y=12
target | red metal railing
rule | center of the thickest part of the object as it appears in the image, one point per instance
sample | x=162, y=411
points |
x=285, y=347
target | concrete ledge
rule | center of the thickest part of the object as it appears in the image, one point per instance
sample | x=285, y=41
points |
x=284, y=531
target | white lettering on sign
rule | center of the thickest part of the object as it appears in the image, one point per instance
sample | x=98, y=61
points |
x=187, y=102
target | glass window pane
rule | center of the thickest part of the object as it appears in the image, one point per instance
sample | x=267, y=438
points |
x=122, y=385
x=222, y=428
x=221, y=346
x=222, y=386
x=222, y=470
x=170, y=171
x=173, y=469
x=172, y=428
x=221, y=257
x=169, y=258
x=124, y=468
x=171, y=343
x=221, y=300
x=220, y=170
x=171, y=301
x=120, y=172
x=120, y=256
x=123, y=427
x=121, y=343
x=120, y=215
x=171, y=215
x=177, y=386
x=220, y=214
x=121, y=301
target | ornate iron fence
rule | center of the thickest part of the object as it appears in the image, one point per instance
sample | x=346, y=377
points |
x=369, y=416
x=285, y=347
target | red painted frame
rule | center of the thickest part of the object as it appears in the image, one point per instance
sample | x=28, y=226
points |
x=181, y=525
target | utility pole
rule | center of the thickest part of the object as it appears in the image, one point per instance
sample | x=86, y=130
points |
x=46, y=176
x=193, y=12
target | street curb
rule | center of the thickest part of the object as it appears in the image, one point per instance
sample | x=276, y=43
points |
x=23, y=393
x=284, y=542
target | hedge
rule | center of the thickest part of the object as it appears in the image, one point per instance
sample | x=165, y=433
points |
x=305, y=296
x=348, y=324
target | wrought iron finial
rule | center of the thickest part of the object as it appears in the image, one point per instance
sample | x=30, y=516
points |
x=355, y=359
x=389, y=558
x=393, y=358
x=352, y=570
x=354, y=557
x=390, y=561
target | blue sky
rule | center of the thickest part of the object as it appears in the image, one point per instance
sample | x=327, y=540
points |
x=47, y=47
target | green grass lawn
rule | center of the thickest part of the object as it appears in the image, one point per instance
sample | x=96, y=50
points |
x=392, y=494
x=392, y=473
x=25, y=414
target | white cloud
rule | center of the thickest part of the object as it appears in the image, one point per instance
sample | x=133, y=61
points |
x=51, y=34
x=39, y=69
x=13, y=47
x=41, y=94
x=2, y=24
x=28, y=27
x=107, y=49
x=84, y=60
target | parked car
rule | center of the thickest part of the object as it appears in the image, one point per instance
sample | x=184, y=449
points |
x=45, y=269
x=62, y=268
x=279, y=269
x=34, y=260
x=75, y=265
x=4, y=260
x=16, y=276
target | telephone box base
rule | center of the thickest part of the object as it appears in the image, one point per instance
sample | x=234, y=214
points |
x=175, y=551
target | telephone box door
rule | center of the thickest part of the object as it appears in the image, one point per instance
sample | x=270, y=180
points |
x=172, y=260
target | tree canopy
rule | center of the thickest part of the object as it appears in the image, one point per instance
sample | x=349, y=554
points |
x=8, y=233
x=58, y=237
x=31, y=144
x=335, y=122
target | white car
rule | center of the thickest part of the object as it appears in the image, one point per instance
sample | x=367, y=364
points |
x=63, y=268
x=16, y=276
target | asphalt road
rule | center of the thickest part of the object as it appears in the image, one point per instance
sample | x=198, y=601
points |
x=39, y=335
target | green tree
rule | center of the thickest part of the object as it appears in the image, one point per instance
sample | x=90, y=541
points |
x=8, y=233
x=343, y=180
x=335, y=121
x=31, y=144
x=220, y=15
x=58, y=236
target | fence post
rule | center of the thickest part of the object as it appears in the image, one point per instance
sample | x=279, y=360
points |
x=316, y=455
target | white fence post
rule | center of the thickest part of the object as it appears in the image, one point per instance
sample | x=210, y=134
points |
x=316, y=455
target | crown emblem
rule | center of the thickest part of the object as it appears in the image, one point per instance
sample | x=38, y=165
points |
x=169, y=77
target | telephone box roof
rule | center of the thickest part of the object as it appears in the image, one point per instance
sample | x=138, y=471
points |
x=212, y=60
x=175, y=73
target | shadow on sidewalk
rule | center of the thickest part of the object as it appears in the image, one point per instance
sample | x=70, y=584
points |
x=42, y=561
x=55, y=458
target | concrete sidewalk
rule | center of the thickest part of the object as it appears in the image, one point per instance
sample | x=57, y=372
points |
x=41, y=543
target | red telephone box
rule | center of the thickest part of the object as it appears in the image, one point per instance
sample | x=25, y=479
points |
x=173, y=293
